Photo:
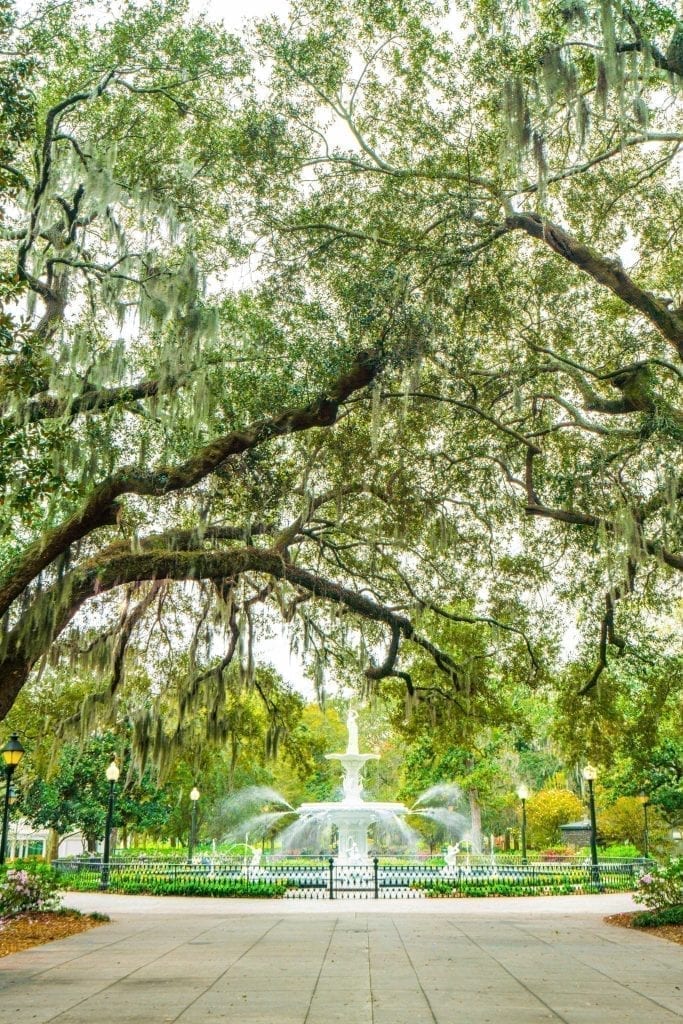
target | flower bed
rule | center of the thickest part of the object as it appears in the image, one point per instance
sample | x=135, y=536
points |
x=34, y=887
x=548, y=884
x=88, y=881
x=35, y=928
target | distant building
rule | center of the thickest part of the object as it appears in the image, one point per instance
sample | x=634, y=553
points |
x=24, y=840
x=576, y=833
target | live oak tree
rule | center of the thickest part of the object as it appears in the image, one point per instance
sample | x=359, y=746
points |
x=491, y=184
x=343, y=321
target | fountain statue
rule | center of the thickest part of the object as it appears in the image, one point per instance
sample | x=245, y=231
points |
x=353, y=816
x=352, y=763
x=352, y=729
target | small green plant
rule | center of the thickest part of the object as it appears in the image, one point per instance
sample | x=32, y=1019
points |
x=29, y=888
x=541, y=883
x=662, y=887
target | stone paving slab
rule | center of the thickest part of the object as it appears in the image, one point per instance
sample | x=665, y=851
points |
x=452, y=962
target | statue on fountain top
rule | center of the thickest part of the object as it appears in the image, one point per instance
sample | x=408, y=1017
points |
x=352, y=762
x=352, y=727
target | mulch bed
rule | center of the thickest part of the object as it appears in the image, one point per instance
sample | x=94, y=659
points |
x=33, y=929
x=672, y=932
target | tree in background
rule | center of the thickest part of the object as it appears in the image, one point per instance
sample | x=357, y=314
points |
x=547, y=810
x=303, y=773
x=655, y=772
x=62, y=782
x=623, y=822
x=75, y=796
x=631, y=728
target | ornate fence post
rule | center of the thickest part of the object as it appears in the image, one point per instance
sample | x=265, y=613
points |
x=331, y=863
x=375, y=862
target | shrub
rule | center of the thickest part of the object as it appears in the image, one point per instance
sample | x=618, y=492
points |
x=623, y=822
x=657, y=918
x=556, y=883
x=129, y=884
x=617, y=851
x=29, y=888
x=662, y=887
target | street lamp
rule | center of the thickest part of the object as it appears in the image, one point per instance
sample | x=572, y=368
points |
x=12, y=753
x=194, y=797
x=523, y=794
x=590, y=774
x=112, y=774
x=645, y=801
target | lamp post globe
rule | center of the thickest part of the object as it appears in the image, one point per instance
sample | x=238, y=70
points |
x=523, y=794
x=12, y=753
x=590, y=774
x=112, y=773
x=194, y=797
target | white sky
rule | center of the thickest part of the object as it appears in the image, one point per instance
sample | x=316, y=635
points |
x=234, y=14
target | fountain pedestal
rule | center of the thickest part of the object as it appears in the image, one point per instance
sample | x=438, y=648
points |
x=354, y=816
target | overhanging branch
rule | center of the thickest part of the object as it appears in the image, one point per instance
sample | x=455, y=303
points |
x=51, y=611
x=607, y=272
x=101, y=508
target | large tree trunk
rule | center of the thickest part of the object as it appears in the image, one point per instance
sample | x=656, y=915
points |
x=52, y=845
x=475, y=816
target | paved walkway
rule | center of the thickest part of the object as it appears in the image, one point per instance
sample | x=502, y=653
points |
x=506, y=961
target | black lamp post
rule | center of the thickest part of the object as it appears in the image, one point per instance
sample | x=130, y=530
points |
x=112, y=778
x=523, y=794
x=590, y=774
x=645, y=801
x=194, y=797
x=12, y=753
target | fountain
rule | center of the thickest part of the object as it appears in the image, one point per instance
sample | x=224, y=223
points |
x=352, y=816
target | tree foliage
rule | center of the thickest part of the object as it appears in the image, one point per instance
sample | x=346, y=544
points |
x=624, y=822
x=547, y=810
x=75, y=795
x=446, y=388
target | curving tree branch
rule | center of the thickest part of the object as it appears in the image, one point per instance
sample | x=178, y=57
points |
x=51, y=611
x=607, y=272
x=101, y=507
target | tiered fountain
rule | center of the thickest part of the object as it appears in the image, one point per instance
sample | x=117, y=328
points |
x=353, y=816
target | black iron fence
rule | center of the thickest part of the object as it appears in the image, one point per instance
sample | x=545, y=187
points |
x=326, y=879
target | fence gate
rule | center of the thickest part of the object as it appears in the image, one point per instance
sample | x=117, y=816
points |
x=353, y=881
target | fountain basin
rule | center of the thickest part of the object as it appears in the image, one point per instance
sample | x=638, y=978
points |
x=352, y=818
